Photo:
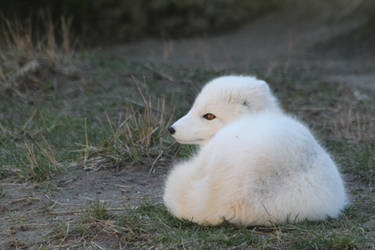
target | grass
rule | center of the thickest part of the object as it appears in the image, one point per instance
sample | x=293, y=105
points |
x=29, y=65
x=26, y=64
x=150, y=225
x=35, y=147
x=138, y=136
x=113, y=113
x=363, y=162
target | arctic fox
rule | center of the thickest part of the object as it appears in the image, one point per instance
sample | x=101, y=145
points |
x=256, y=165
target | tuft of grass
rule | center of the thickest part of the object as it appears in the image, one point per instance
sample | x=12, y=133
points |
x=97, y=210
x=41, y=159
x=33, y=160
x=29, y=57
x=139, y=137
x=36, y=147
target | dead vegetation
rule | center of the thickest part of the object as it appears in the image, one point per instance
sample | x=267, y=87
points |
x=354, y=125
x=35, y=157
x=137, y=136
x=28, y=57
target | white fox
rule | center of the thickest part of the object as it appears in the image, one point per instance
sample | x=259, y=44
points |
x=255, y=166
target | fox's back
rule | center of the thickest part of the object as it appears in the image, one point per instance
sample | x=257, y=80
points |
x=274, y=139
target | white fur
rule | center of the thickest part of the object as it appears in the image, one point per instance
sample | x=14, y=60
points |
x=256, y=165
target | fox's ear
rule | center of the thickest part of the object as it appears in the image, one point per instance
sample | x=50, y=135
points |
x=256, y=96
x=260, y=86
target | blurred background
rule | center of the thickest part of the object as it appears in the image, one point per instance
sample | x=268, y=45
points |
x=333, y=38
x=124, y=20
x=130, y=20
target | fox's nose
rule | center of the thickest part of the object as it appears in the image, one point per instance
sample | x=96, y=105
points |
x=171, y=130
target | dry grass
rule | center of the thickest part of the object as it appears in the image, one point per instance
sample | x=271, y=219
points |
x=37, y=160
x=41, y=159
x=352, y=117
x=27, y=55
x=139, y=136
x=30, y=146
x=353, y=125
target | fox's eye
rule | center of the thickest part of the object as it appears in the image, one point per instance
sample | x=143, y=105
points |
x=209, y=116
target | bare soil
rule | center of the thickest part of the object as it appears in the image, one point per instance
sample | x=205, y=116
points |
x=31, y=212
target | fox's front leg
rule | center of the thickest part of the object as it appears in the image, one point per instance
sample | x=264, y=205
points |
x=188, y=194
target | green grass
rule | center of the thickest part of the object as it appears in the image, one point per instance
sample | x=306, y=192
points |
x=40, y=143
x=363, y=160
x=151, y=225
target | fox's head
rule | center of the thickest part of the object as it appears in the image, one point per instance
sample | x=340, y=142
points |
x=222, y=101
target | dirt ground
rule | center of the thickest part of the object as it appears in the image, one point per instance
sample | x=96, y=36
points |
x=277, y=40
x=29, y=210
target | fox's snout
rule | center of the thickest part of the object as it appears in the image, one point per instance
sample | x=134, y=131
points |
x=171, y=130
